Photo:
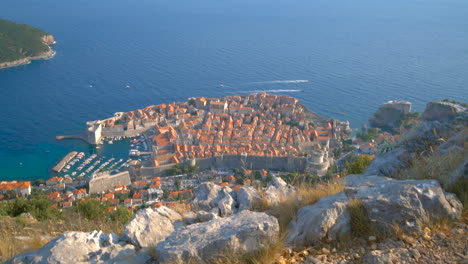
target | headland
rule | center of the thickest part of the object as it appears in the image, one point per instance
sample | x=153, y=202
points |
x=20, y=44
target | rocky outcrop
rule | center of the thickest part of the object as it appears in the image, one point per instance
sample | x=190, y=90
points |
x=207, y=195
x=277, y=190
x=80, y=247
x=48, y=39
x=413, y=143
x=324, y=220
x=204, y=216
x=242, y=233
x=43, y=56
x=443, y=111
x=408, y=203
x=227, y=206
x=390, y=115
x=151, y=226
x=247, y=197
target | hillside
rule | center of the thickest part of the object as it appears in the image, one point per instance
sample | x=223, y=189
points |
x=406, y=205
x=19, y=44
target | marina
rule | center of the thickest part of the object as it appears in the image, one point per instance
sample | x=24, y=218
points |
x=109, y=155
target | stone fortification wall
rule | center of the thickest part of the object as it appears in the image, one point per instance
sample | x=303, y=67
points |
x=108, y=182
x=121, y=133
x=236, y=161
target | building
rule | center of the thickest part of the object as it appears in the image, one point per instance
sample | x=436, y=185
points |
x=107, y=181
x=21, y=188
x=54, y=181
x=94, y=132
x=402, y=106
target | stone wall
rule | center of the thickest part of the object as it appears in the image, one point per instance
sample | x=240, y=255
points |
x=235, y=161
x=108, y=182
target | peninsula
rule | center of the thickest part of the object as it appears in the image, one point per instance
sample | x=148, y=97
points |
x=253, y=131
x=20, y=44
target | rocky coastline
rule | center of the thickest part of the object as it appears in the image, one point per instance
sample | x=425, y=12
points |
x=48, y=39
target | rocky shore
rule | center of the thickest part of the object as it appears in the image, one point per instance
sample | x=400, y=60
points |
x=48, y=39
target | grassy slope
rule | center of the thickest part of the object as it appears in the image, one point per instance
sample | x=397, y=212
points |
x=18, y=41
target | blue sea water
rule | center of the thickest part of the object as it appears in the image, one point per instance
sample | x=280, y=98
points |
x=342, y=58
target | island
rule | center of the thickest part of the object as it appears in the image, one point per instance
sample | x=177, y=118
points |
x=20, y=44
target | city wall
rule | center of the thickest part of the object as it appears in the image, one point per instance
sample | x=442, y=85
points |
x=107, y=182
x=235, y=161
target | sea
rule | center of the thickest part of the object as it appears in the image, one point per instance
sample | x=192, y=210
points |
x=341, y=58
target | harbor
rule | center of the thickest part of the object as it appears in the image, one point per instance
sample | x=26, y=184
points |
x=111, y=154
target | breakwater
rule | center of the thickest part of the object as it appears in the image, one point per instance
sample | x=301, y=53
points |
x=59, y=166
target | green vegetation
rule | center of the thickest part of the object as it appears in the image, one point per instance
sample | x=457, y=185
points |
x=455, y=102
x=369, y=135
x=191, y=102
x=121, y=215
x=358, y=164
x=91, y=209
x=361, y=225
x=292, y=123
x=19, y=41
x=39, y=208
x=181, y=169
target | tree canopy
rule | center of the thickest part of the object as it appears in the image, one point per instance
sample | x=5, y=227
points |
x=18, y=41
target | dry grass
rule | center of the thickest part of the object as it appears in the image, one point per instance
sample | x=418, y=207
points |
x=443, y=225
x=285, y=211
x=16, y=236
x=264, y=256
x=35, y=232
x=306, y=194
x=440, y=168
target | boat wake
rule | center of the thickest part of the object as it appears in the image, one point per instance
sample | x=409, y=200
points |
x=275, y=91
x=281, y=81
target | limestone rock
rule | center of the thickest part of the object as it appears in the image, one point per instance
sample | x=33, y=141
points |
x=277, y=190
x=389, y=163
x=207, y=195
x=81, y=247
x=443, y=111
x=390, y=115
x=323, y=220
x=226, y=206
x=190, y=217
x=398, y=255
x=151, y=226
x=407, y=202
x=240, y=233
x=413, y=142
x=28, y=216
x=246, y=197
x=204, y=216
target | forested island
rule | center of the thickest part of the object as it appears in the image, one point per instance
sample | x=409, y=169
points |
x=19, y=44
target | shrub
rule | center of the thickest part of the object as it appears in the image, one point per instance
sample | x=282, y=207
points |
x=359, y=164
x=361, y=225
x=91, y=209
x=121, y=215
